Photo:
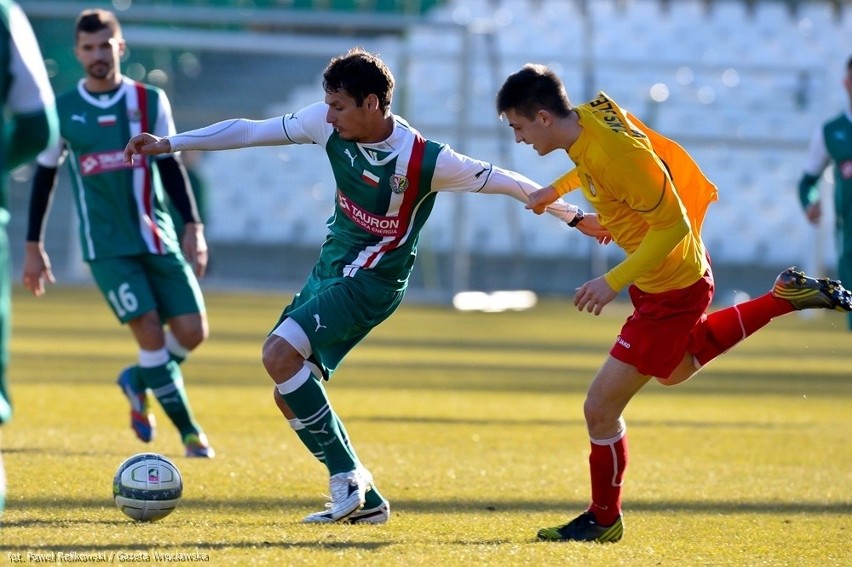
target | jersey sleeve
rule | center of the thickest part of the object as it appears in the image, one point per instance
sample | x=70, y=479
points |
x=302, y=127
x=53, y=155
x=818, y=158
x=308, y=125
x=567, y=182
x=165, y=124
x=459, y=173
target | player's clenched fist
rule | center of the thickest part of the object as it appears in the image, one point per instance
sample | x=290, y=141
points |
x=541, y=198
x=146, y=144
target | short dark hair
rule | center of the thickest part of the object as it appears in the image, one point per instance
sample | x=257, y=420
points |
x=533, y=88
x=91, y=21
x=359, y=74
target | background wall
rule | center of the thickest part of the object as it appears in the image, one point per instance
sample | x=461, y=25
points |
x=742, y=85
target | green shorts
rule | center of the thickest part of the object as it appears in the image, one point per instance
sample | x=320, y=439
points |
x=337, y=313
x=133, y=285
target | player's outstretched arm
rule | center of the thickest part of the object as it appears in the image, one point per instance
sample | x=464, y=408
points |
x=146, y=144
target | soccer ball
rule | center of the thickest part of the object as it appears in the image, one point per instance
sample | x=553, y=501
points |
x=147, y=487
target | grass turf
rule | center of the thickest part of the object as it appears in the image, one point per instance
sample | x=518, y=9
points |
x=472, y=426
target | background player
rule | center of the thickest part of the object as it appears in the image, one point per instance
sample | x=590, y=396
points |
x=832, y=142
x=127, y=236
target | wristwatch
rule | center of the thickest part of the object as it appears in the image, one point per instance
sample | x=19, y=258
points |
x=577, y=218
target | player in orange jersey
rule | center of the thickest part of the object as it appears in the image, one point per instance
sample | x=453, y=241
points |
x=652, y=197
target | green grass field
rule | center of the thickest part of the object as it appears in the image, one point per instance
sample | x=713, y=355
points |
x=472, y=426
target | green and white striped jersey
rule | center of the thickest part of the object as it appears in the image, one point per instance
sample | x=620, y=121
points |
x=120, y=206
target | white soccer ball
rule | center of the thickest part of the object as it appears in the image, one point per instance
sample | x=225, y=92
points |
x=147, y=487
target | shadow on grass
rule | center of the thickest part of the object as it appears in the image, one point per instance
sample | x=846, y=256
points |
x=425, y=420
x=189, y=547
x=420, y=506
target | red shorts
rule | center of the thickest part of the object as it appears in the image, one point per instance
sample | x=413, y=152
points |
x=655, y=337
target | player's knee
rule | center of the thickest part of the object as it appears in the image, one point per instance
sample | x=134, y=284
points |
x=596, y=414
x=189, y=331
x=192, y=337
x=280, y=359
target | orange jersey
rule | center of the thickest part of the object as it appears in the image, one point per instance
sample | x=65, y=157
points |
x=647, y=191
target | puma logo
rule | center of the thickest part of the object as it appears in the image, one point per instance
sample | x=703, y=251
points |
x=319, y=324
x=320, y=431
x=81, y=118
x=350, y=156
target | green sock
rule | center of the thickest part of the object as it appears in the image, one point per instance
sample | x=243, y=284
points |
x=177, y=351
x=166, y=382
x=310, y=404
x=374, y=497
x=135, y=379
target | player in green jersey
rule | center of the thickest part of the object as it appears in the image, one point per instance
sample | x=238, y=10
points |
x=128, y=238
x=28, y=124
x=832, y=142
x=387, y=178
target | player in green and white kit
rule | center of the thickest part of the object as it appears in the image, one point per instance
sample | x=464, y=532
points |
x=832, y=142
x=27, y=125
x=126, y=234
x=387, y=178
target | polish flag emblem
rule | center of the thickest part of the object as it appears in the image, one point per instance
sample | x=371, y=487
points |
x=370, y=178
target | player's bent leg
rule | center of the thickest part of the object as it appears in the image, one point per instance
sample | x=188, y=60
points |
x=688, y=368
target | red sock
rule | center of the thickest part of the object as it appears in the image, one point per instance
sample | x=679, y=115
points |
x=723, y=329
x=607, y=462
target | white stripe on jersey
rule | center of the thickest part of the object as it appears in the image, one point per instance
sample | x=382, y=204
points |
x=372, y=255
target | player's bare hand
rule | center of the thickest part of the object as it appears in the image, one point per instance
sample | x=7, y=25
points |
x=591, y=226
x=593, y=295
x=36, y=268
x=194, y=247
x=146, y=144
x=540, y=199
x=813, y=212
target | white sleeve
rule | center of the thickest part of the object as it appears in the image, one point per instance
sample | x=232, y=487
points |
x=30, y=87
x=52, y=156
x=231, y=134
x=308, y=125
x=303, y=127
x=457, y=172
x=818, y=158
x=165, y=123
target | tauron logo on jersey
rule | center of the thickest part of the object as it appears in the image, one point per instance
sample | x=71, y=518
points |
x=374, y=224
x=398, y=183
x=100, y=162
